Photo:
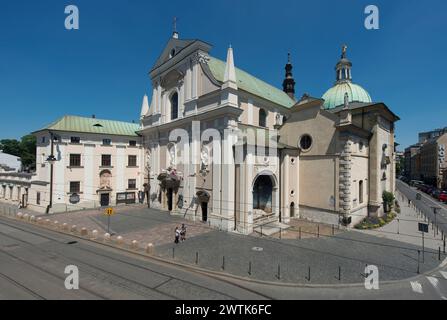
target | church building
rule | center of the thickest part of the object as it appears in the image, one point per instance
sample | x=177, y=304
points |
x=224, y=147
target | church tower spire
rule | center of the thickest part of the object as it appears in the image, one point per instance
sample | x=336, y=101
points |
x=343, y=67
x=289, y=83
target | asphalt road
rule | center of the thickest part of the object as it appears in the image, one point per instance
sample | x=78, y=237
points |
x=426, y=204
x=33, y=260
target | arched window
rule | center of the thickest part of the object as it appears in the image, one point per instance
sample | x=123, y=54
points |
x=262, y=118
x=361, y=191
x=174, y=106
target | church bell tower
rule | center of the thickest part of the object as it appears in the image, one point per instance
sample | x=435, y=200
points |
x=289, y=83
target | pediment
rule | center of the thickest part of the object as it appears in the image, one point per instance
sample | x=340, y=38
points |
x=173, y=46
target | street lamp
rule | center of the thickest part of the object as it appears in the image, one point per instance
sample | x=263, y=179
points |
x=51, y=160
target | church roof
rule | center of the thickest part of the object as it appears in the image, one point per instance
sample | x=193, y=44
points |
x=335, y=96
x=251, y=84
x=93, y=125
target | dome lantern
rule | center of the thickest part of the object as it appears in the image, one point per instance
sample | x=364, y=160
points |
x=344, y=90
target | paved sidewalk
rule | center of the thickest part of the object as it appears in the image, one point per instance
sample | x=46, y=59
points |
x=405, y=228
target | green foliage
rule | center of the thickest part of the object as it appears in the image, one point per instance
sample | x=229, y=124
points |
x=25, y=149
x=388, y=197
x=374, y=223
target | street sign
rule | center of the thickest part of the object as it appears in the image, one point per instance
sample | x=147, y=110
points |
x=423, y=227
x=110, y=212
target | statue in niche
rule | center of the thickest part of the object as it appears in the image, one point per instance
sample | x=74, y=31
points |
x=171, y=153
x=204, y=156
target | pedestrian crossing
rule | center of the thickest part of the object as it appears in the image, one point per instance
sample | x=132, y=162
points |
x=433, y=286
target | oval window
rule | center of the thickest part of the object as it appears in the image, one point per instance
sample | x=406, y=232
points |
x=306, y=142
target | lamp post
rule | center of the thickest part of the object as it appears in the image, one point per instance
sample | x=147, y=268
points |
x=51, y=160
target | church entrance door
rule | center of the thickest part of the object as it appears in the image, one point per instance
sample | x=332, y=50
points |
x=204, y=206
x=169, y=194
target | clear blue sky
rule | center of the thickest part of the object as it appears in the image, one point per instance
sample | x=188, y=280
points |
x=47, y=71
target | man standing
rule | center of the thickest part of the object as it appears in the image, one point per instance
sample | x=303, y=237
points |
x=183, y=232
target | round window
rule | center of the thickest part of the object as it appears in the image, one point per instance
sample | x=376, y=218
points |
x=306, y=142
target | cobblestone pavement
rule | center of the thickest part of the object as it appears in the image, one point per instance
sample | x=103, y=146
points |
x=134, y=222
x=332, y=259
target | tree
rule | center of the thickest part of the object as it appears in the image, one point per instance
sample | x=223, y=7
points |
x=25, y=149
x=10, y=146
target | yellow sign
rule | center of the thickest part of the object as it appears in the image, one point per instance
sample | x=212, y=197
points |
x=109, y=211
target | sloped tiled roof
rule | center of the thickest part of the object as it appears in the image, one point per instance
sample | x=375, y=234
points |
x=251, y=84
x=93, y=125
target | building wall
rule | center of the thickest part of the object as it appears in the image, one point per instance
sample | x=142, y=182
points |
x=91, y=149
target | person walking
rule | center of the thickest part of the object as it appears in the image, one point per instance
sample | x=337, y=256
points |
x=183, y=232
x=177, y=235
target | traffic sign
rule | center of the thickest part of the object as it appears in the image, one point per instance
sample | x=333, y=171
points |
x=110, y=212
x=423, y=227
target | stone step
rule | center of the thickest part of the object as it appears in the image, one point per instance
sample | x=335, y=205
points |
x=271, y=228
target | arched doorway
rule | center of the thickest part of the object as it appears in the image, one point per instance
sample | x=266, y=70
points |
x=105, y=187
x=263, y=194
x=203, y=198
x=292, y=210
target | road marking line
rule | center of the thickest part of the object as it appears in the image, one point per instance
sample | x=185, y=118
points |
x=416, y=287
x=444, y=274
x=435, y=283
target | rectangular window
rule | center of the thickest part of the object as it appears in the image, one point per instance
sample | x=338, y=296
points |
x=75, y=187
x=38, y=198
x=75, y=140
x=361, y=192
x=75, y=160
x=106, y=142
x=132, y=184
x=44, y=139
x=132, y=161
x=106, y=160
x=132, y=143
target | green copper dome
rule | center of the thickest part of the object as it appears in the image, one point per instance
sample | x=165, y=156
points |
x=335, y=96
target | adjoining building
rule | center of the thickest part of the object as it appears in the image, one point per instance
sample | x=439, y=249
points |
x=83, y=163
x=433, y=161
x=9, y=162
x=412, y=162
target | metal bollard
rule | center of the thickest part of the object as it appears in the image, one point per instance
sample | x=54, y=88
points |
x=197, y=258
x=223, y=263
x=249, y=268
x=278, y=275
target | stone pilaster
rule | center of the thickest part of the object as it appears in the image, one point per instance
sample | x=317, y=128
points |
x=345, y=176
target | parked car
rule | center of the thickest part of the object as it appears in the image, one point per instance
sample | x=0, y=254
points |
x=443, y=196
x=429, y=190
x=435, y=193
x=424, y=188
x=416, y=183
